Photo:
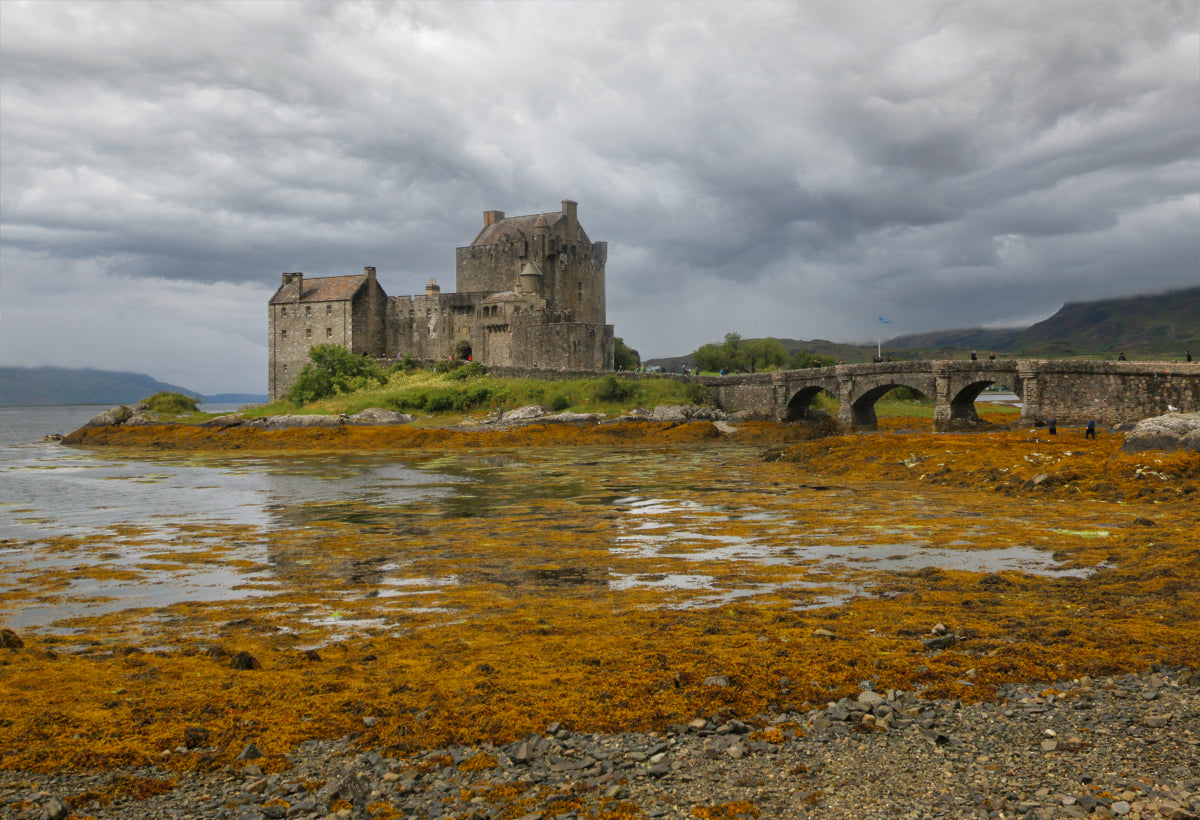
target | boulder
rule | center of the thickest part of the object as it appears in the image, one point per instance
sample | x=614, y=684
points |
x=680, y=413
x=378, y=416
x=532, y=411
x=288, y=422
x=109, y=418
x=141, y=419
x=1174, y=431
x=674, y=413
x=574, y=417
x=221, y=422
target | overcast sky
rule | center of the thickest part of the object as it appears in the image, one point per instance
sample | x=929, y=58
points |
x=778, y=169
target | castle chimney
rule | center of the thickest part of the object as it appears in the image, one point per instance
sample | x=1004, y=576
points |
x=298, y=278
x=492, y=217
x=432, y=288
x=369, y=272
x=570, y=209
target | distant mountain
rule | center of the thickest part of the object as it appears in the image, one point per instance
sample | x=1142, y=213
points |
x=1162, y=323
x=42, y=386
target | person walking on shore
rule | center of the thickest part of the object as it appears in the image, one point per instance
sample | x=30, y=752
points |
x=1052, y=426
x=1091, y=429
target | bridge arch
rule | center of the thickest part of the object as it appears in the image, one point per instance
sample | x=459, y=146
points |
x=862, y=407
x=800, y=404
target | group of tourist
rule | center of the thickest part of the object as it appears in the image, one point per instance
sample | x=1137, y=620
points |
x=1089, y=431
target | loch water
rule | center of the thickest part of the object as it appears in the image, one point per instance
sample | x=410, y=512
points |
x=89, y=532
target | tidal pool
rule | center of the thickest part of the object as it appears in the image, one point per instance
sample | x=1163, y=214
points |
x=370, y=541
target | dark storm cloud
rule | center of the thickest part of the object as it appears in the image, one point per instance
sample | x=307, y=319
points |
x=772, y=168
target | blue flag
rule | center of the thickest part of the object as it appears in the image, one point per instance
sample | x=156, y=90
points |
x=884, y=321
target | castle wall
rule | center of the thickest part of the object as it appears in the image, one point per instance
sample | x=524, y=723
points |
x=562, y=346
x=294, y=328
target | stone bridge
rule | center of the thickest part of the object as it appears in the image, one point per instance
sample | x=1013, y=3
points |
x=1068, y=390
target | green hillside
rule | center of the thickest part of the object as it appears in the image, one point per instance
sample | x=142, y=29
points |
x=1162, y=324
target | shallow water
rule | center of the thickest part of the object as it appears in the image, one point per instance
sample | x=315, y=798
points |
x=362, y=541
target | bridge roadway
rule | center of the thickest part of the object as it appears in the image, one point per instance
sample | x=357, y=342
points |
x=1068, y=390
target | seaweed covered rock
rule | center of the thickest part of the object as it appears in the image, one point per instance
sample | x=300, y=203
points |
x=1174, y=431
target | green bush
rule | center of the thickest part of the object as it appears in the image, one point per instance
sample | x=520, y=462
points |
x=559, y=403
x=445, y=399
x=333, y=369
x=468, y=371
x=612, y=389
x=167, y=402
x=696, y=393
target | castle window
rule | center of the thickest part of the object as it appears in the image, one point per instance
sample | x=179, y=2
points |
x=329, y=310
x=283, y=333
x=308, y=310
x=283, y=311
x=428, y=312
x=328, y=333
x=580, y=286
x=308, y=333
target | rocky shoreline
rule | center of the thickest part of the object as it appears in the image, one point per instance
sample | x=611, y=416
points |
x=1125, y=746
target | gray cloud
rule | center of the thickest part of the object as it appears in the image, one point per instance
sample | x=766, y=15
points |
x=771, y=168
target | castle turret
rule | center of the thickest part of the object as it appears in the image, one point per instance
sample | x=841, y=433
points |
x=530, y=280
x=432, y=289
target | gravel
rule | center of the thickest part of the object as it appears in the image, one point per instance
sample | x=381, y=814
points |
x=1114, y=747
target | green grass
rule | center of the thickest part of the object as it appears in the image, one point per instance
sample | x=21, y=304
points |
x=423, y=393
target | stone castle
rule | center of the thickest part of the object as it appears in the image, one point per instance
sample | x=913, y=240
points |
x=529, y=293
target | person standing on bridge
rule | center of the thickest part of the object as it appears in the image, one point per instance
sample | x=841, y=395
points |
x=1091, y=429
x=973, y=356
x=1187, y=355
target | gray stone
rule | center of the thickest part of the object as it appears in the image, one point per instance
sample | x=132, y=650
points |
x=1174, y=431
x=111, y=417
x=288, y=422
x=532, y=411
x=251, y=752
x=375, y=416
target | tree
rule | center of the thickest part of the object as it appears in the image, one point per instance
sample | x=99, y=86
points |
x=624, y=356
x=732, y=357
x=763, y=354
x=707, y=357
x=333, y=369
x=802, y=359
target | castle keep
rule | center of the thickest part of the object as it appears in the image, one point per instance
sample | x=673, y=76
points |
x=529, y=292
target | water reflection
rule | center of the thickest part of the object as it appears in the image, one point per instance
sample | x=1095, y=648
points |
x=425, y=532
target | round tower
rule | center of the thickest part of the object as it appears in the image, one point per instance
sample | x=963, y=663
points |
x=530, y=279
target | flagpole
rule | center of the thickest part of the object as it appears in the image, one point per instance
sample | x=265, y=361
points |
x=879, y=338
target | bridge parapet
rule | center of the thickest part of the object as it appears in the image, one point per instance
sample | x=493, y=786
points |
x=1070, y=391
